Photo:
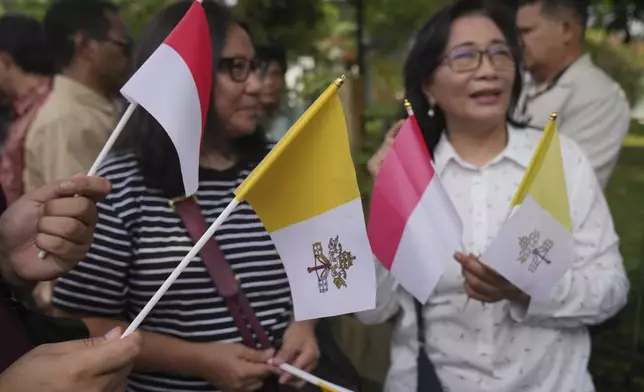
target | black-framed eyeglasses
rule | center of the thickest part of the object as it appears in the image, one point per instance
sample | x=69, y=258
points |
x=239, y=68
x=468, y=57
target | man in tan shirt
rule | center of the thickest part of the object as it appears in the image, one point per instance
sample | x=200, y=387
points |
x=92, y=52
x=92, y=47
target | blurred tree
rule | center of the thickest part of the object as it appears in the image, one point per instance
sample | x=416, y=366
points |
x=619, y=15
x=295, y=24
x=391, y=24
x=137, y=13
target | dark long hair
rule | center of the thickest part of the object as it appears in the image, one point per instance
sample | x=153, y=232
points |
x=427, y=52
x=145, y=137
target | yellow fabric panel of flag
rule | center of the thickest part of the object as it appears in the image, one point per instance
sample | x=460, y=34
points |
x=544, y=179
x=309, y=172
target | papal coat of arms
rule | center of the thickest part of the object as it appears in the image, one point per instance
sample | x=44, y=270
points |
x=336, y=264
x=532, y=250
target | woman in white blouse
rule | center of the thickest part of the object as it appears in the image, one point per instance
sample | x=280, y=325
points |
x=463, y=79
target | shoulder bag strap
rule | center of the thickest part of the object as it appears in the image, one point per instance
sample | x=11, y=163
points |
x=426, y=373
x=226, y=282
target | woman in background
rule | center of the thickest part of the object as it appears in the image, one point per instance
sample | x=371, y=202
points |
x=463, y=79
x=191, y=342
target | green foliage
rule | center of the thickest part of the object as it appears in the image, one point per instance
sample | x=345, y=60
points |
x=622, y=63
x=617, y=357
x=392, y=23
x=378, y=119
x=137, y=13
x=293, y=23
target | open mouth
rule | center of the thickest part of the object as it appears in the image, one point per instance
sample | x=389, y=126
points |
x=487, y=93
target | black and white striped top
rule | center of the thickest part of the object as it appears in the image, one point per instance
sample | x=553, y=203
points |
x=139, y=240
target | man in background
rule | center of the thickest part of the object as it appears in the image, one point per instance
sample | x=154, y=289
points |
x=91, y=49
x=26, y=68
x=592, y=108
x=278, y=116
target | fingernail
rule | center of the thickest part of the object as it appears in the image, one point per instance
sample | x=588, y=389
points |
x=269, y=353
x=113, y=334
x=67, y=185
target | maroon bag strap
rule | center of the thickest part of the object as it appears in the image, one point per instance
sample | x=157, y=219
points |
x=226, y=282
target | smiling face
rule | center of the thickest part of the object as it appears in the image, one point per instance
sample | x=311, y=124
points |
x=469, y=86
x=237, y=101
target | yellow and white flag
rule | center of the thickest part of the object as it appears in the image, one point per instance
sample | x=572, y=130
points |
x=306, y=193
x=535, y=248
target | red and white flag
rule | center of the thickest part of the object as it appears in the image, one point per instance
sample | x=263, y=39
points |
x=174, y=86
x=413, y=226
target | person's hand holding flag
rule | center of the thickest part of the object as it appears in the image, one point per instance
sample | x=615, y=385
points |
x=98, y=364
x=300, y=348
x=234, y=366
x=52, y=219
x=484, y=284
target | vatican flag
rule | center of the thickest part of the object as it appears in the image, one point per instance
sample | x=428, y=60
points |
x=535, y=248
x=306, y=193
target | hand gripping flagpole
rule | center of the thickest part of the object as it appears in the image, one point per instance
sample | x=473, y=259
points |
x=308, y=377
x=106, y=149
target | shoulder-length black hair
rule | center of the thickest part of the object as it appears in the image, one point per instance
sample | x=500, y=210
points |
x=427, y=53
x=144, y=136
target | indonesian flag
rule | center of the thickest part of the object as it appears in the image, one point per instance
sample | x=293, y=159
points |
x=413, y=226
x=174, y=86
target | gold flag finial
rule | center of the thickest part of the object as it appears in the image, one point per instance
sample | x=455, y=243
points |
x=410, y=110
x=553, y=116
x=340, y=81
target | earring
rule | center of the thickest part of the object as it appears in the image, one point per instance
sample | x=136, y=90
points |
x=430, y=112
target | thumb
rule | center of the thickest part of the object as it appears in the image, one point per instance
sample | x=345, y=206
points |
x=54, y=190
x=257, y=356
x=285, y=355
x=109, y=354
x=95, y=188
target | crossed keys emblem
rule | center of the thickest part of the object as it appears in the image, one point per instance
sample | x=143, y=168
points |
x=531, y=250
x=336, y=265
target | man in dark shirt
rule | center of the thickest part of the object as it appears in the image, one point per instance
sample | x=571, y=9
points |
x=58, y=218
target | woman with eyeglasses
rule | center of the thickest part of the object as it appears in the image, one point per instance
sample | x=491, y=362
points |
x=192, y=341
x=463, y=79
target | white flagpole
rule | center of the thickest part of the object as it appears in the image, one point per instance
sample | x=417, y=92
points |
x=306, y=376
x=112, y=139
x=179, y=269
x=106, y=149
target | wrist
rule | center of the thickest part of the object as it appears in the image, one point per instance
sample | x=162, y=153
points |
x=308, y=324
x=521, y=299
x=202, y=359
